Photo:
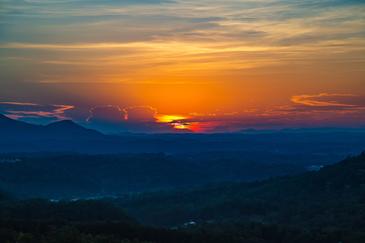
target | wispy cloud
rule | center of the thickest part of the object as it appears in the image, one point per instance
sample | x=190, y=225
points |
x=323, y=100
x=114, y=119
x=86, y=48
x=33, y=111
x=317, y=110
x=189, y=36
x=309, y=110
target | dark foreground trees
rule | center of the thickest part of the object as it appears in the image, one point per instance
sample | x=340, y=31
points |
x=324, y=206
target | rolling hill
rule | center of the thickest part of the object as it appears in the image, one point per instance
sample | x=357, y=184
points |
x=331, y=197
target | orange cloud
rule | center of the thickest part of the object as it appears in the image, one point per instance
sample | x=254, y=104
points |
x=140, y=114
x=322, y=100
x=169, y=118
x=28, y=110
x=107, y=114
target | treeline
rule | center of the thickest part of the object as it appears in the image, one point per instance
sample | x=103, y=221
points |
x=332, y=198
x=79, y=176
x=324, y=206
x=63, y=211
x=46, y=232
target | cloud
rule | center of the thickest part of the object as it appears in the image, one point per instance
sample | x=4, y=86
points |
x=140, y=114
x=115, y=114
x=34, y=112
x=204, y=34
x=114, y=119
x=328, y=100
x=107, y=114
x=308, y=110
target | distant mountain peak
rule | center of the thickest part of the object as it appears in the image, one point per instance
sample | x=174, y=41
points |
x=65, y=126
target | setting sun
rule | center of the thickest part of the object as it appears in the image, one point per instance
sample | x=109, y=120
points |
x=182, y=121
x=181, y=126
x=170, y=118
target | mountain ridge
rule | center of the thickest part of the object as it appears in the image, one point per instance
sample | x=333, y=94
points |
x=63, y=129
x=318, y=198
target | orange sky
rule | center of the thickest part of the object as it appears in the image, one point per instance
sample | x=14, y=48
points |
x=185, y=57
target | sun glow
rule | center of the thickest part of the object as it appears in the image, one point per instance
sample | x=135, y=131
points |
x=181, y=126
x=170, y=118
x=175, y=121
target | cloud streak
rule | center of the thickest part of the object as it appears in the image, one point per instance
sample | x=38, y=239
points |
x=307, y=110
x=181, y=57
x=189, y=36
x=322, y=100
x=27, y=111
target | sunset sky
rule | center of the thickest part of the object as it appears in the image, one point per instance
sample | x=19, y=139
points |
x=184, y=65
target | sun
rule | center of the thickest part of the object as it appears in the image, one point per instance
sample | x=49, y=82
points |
x=180, y=126
x=178, y=122
x=170, y=118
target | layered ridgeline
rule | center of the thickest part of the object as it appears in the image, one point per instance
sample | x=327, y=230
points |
x=333, y=197
x=17, y=130
x=323, y=206
x=302, y=146
x=72, y=176
x=66, y=135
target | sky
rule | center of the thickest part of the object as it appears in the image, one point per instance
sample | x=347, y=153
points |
x=184, y=65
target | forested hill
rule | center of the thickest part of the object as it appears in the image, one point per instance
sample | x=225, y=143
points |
x=327, y=198
x=82, y=176
x=324, y=206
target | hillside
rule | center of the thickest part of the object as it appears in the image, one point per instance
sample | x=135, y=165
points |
x=78, y=176
x=324, y=206
x=327, y=198
x=14, y=130
x=301, y=146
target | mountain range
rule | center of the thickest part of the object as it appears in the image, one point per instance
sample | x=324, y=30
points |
x=309, y=147
x=65, y=129
x=334, y=196
x=319, y=206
